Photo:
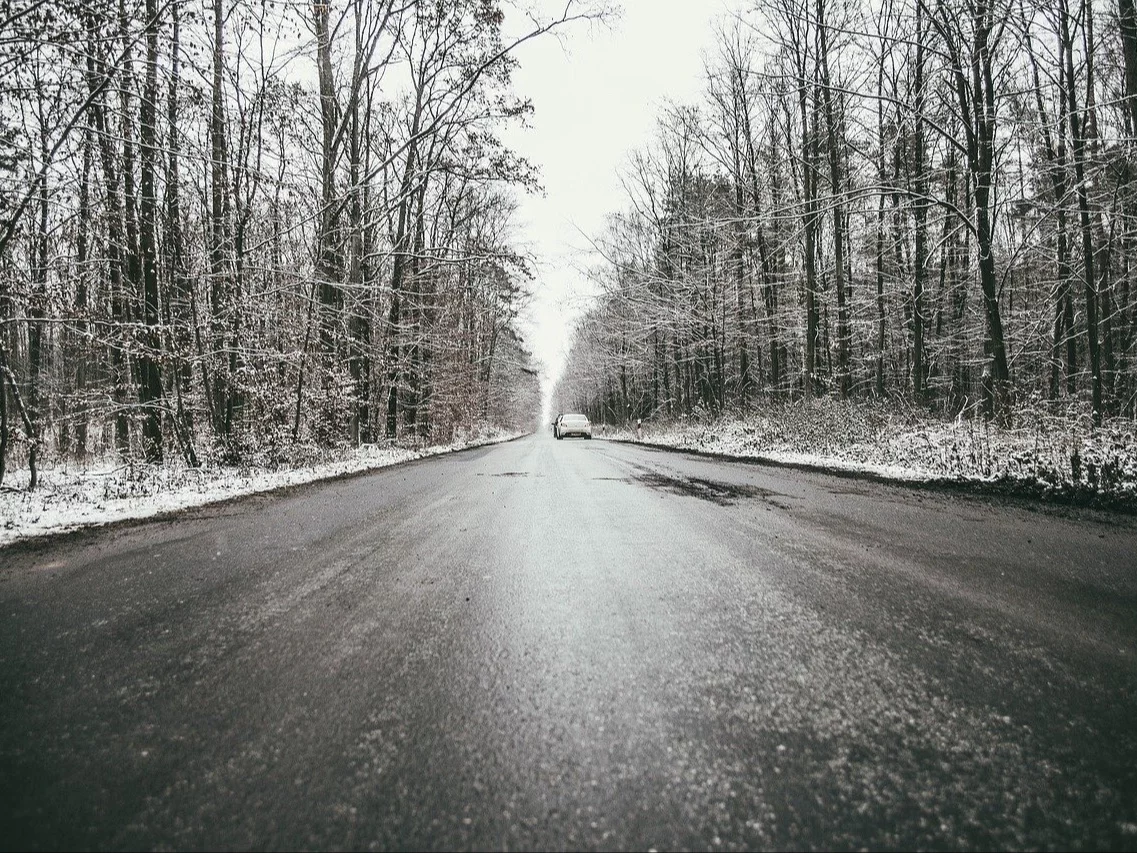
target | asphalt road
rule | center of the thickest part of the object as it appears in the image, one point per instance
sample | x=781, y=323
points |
x=575, y=645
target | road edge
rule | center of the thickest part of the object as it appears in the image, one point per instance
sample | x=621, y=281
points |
x=1007, y=488
x=39, y=540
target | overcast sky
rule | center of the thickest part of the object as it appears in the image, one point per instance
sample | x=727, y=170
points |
x=597, y=96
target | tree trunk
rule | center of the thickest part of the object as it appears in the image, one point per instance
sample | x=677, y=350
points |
x=82, y=260
x=834, y=144
x=1078, y=143
x=1056, y=168
x=3, y=426
x=218, y=241
x=96, y=70
x=810, y=214
x=920, y=209
x=178, y=317
x=30, y=433
x=150, y=387
x=976, y=102
x=37, y=307
x=329, y=258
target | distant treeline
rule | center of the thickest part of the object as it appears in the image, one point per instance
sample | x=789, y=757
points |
x=229, y=227
x=931, y=200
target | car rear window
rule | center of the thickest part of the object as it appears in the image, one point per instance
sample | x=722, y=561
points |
x=575, y=420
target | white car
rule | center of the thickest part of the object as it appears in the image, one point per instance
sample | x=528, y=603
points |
x=573, y=425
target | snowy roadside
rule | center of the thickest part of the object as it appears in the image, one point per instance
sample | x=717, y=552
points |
x=1044, y=456
x=69, y=498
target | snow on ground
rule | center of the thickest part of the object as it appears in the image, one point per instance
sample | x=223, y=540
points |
x=1042, y=454
x=70, y=497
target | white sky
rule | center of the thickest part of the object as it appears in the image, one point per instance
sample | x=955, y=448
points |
x=596, y=96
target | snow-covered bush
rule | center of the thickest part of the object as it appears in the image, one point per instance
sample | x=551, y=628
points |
x=1041, y=453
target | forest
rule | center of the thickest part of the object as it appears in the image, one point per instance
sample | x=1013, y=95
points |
x=927, y=205
x=232, y=230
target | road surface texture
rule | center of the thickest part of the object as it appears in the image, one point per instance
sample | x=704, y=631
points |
x=582, y=644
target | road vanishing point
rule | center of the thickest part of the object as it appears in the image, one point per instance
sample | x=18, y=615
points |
x=582, y=645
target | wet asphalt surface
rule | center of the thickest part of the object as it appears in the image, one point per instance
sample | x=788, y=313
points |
x=575, y=645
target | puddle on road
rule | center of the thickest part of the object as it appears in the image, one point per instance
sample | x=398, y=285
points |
x=516, y=474
x=722, y=494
